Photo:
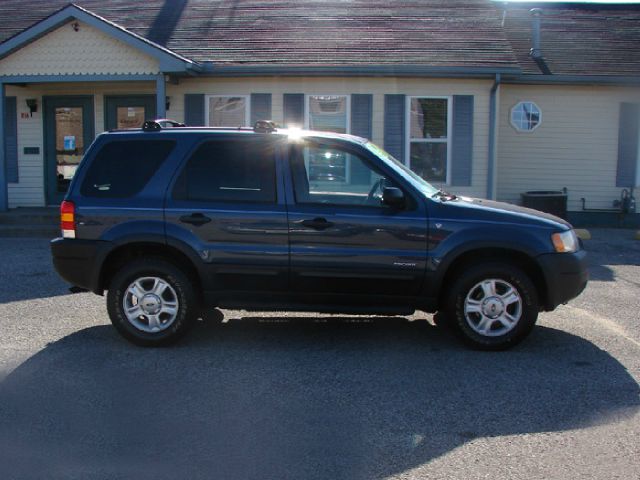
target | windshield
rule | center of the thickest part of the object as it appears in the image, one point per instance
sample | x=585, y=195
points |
x=404, y=171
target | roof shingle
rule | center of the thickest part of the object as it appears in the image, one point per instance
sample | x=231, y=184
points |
x=576, y=38
x=439, y=33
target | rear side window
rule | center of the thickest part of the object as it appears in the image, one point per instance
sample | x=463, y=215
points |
x=121, y=169
x=238, y=170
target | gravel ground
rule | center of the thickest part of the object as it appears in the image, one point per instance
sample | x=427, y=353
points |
x=301, y=396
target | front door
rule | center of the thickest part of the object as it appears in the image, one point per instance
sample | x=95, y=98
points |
x=345, y=244
x=129, y=111
x=68, y=131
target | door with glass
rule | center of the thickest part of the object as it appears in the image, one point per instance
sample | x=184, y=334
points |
x=68, y=132
x=128, y=111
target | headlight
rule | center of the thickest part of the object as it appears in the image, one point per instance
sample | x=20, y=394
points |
x=565, y=242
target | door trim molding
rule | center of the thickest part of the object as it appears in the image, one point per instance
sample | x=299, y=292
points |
x=50, y=101
x=147, y=96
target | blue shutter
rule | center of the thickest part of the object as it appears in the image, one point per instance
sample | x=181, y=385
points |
x=194, y=109
x=293, y=109
x=462, y=140
x=394, y=128
x=628, y=145
x=361, y=114
x=11, y=139
x=260, y=107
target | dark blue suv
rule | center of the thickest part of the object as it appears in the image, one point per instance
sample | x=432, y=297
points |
x=173, y=220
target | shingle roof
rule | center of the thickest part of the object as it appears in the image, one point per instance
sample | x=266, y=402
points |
x=576, y=39
x=440, y=33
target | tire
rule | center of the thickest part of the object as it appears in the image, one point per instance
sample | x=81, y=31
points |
x=492, y=306
x=164, y=297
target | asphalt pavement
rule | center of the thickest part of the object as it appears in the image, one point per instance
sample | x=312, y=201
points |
x=304, y=396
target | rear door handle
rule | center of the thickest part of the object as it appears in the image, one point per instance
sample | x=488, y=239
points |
x=196, y=219
x=317, y=223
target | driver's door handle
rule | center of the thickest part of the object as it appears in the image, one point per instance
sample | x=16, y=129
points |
x=196, y=219
x=318, y=223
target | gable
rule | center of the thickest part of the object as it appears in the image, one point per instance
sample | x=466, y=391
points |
x=87, y=51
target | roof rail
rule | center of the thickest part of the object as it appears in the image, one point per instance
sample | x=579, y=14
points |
x=159, y=124
x=261, y=126
x=265, y=126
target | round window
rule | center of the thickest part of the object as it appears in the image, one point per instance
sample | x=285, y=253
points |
x=525, y=116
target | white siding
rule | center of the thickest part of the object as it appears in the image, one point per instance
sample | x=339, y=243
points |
x=575, y=146
x=278, y=86
x=87, y=51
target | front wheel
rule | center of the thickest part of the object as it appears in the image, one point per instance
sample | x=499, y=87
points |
x=151, y=302
x=492, y=306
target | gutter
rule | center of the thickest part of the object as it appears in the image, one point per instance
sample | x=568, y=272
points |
x=537, y=79
x=211, y=70
x=493, y=128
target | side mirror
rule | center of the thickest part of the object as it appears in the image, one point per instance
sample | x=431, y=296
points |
x=393, y=196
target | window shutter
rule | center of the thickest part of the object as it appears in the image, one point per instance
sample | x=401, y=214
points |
x=194, y=109
x=462, y=140
x=361, y=114
x=293, y=109
x=11, y=139
x=260, y=107
x=626, y=174
x=394, y=128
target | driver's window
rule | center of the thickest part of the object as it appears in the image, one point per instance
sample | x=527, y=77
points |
x=331, y=175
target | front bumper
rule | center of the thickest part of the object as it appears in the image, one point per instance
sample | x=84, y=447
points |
x=79, y=261
x=565, y=274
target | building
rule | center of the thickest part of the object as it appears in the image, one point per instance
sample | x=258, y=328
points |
x=486, y=99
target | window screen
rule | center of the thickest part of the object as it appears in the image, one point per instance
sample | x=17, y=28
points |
x=229, y=171
x=122, y=169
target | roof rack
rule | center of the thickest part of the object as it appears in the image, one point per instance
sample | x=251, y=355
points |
x=159, y=124
x=265, y=126
x=261, y=126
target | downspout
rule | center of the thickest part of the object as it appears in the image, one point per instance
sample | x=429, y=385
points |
x=493, y=128
x=4, y=200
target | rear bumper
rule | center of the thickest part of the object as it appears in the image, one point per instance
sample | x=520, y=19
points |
x=78, y=261
x=566, y=276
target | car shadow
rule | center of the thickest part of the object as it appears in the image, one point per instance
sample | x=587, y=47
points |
x=302, y=398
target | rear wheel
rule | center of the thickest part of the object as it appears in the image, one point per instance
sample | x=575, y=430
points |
x=151, y=302
x=492, y=306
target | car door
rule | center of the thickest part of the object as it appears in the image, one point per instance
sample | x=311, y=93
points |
x=344, y=242
x=226, y=204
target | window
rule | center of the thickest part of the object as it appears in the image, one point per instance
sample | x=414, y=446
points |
x=328, y=113
x=227, y=111
x=238, y=170
x=429, y=137
x=360, y=185
x=525, y=116
x=122, y=168
x=129, y=117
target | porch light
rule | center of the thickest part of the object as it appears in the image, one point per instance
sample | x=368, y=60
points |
x=32, y=103
x=167, y=103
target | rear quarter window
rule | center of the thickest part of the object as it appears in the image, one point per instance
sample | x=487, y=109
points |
x=123, y=168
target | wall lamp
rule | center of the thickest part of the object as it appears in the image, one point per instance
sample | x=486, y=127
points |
x=167, y=103
x=32, y=103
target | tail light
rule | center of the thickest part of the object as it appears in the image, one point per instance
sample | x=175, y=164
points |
x=68, y=219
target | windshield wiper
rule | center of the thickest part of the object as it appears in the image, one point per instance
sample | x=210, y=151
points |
x=444, y=196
